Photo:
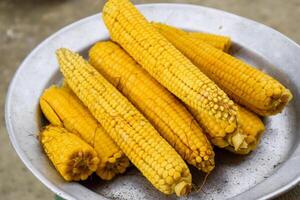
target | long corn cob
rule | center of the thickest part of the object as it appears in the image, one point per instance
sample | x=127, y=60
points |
x=73, y=158
x=244, y=83
x=138, y=139
x=220, y=42
x=169, y=67
x=161, y=108
x=76, y=118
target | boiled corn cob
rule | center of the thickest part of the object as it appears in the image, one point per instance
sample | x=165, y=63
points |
x=220, y=42
x=75, y=117
x=169, y=67
x=253, y=128
x=244, y=83
x=161, y=108
x=138, y=139
x=74, y=159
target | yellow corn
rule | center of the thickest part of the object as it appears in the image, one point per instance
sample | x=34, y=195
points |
x=245, y=84
x=73, y=158
x=138, y=139
x=75, y=117
x=220, y=42
x=253, y=128
x=169, y=67
x=161, y=108
x=50, y=114
x=250, y=128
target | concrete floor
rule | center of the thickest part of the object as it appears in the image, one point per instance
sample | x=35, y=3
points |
x=25, y=23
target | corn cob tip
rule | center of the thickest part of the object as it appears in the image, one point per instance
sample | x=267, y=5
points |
x=183, y=188
x=278, y=99
x=253, y=128
x=74, y=159
x=65, y=55
x=62, y=52
x=83, y=162
x=238, y=141
x=252, y=143
x=282, y=100
x=109, y=169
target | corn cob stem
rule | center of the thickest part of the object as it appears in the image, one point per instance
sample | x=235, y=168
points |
x=169, y=67
x=220, y=42
x=161, y=108
x=73, y=158
x=142, y=144
x=62, y=104
x=245, y=84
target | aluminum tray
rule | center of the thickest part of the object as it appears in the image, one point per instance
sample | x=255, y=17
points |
x=272, y=169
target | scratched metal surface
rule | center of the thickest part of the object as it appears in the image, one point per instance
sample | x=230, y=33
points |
x=270, y=170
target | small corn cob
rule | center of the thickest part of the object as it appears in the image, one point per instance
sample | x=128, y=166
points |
x=245, y=84
x=161, y=108
x=253, y=128
x=170, y=68
x=220, y=42
x=75, y=117
x=138, y=139
x=74, y=159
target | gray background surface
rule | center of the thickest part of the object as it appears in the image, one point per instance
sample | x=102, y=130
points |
x=25, y=23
